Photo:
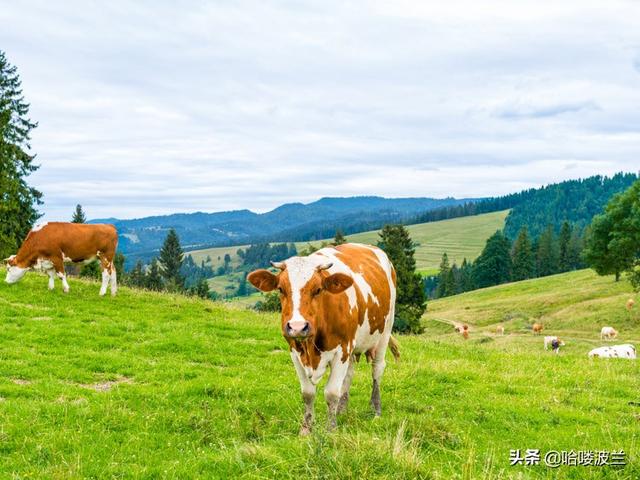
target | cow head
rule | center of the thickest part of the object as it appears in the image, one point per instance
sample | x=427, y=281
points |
x=14, y=272
x=303, y=284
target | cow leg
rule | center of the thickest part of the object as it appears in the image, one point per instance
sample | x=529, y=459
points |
x=333, y=389
x=105, y=282
x=377, y=369
x=58, y=265
x=346, y=386
x=52, y=276
x=308, y=394
x=114, y=281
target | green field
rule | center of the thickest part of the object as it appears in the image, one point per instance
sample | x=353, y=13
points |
x=459, y=237
x=149, y=385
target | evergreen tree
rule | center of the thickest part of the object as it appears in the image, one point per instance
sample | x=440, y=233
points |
x=243, y=287
x=227, y=262
x=493, y=266
x=410, y=301
x=18, y=201
x=136, y=275
x=564, y=248
x=339, y=238
x=446, y=282
x=171, y=258
x=78, y=215
x=522, y=257
x=201, y=289
x=547, y=254
x=466, y=277
x=153, y=280
x=576, y=245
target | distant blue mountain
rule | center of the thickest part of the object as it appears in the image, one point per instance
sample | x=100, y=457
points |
x=142, y=237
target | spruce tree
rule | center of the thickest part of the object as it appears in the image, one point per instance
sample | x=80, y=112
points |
x=466, y=276
x=136, y=275
x=18, y=200
x=339, y=238
x=78, y=215
x=547, y=254
x=564, y=241
x=442, y=276
x=171, y=258
x=493, y=266
x=410, y=301
x=153, y=280
x=522, y=257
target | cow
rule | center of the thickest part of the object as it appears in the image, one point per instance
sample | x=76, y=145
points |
x=500, y=330
x=614, y=351
x=48, y=246
x=337, y=304
x=537, y=328
x=608, y=333
x=465, y=332
x=630, y=303
x=554, y=342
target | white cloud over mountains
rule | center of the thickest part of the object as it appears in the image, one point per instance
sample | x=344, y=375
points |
x=154, y=107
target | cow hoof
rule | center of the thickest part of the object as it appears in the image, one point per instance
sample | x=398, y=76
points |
x=305, y=431
x=66, y=291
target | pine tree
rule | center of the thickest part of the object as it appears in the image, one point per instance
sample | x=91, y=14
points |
x=564, y=240
x=547, y=254
x=339, y=238
x=171, y=258
x=443, y=277
x=466, y=277
x=18, y=201
x=153, y=280
x=493, y=266
x=522, y=257
x=410, y=301
x=78, y=215
x=136, y=275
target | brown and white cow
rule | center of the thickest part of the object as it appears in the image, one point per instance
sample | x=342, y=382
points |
x=48, y=246
x=337, y=304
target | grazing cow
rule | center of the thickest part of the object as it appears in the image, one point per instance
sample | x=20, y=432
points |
x=465, y=332
x=500, y=330
x=537, y=328
x=555, y=343
x=49, y=245
x=337, y=303
x=608, y=333
x=614, y=351
x=630, y=303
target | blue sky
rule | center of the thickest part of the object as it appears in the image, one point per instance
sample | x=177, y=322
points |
x=152, y=108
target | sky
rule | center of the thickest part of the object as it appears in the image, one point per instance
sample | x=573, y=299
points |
x=150, y=108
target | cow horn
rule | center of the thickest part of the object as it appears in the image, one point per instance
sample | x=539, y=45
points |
x=324, y=266
x=279, y=265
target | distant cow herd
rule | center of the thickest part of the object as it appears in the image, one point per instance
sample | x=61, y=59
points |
x=554, y=342
x=337, y=304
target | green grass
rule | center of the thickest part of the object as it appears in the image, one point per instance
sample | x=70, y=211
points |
x=460, y=237
x=204, y=391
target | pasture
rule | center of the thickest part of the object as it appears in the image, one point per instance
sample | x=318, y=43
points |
x=148, y=385
x=460, y=237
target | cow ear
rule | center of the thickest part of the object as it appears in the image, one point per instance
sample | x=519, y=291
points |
x=263, y=280
x=337, y=283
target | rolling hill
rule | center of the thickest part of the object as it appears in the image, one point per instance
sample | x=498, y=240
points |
x=142, y=237
x=149, y=385
x=459, y=237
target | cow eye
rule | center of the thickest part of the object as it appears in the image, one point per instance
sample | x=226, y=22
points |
x=280, y=289
x=316, y=292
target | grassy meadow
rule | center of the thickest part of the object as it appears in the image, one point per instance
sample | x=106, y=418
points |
x=460, y=237
x=148, y=385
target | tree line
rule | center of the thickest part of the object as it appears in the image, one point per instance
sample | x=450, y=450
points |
x=503, y=261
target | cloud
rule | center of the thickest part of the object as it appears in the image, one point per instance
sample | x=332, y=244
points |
x=151, y=108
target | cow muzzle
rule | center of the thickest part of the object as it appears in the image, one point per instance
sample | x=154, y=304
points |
x=297, y=329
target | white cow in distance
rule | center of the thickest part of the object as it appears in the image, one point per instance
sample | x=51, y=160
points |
x=554, y=342
x=614, y=351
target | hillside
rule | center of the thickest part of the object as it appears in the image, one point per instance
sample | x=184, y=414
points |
x=577, y=304
x=148, y=385
x=142, y=237
x=459, y=237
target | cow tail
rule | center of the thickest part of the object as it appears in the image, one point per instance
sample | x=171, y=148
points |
x=395, y=348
